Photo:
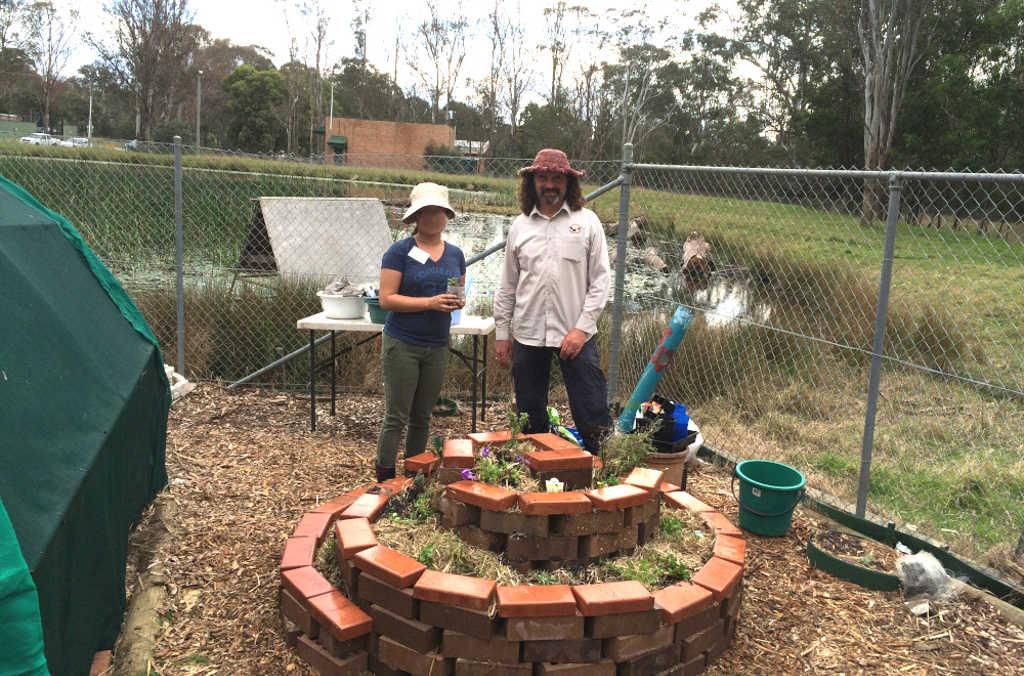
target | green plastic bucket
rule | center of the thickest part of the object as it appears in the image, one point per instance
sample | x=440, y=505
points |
x=377, y=315
x=769, y=491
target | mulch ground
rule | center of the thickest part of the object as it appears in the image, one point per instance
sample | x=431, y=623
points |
x=244, y=467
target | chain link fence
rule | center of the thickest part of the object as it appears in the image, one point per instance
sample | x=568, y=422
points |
x=777, y=363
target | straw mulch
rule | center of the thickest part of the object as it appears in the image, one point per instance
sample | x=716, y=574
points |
x=243, y=468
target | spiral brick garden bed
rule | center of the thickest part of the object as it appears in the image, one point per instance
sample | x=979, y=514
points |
x=394, y=615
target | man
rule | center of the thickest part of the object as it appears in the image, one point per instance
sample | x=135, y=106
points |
x=554, y=285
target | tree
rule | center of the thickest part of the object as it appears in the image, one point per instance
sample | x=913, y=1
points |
x=516, y=76
x=217, y=58
x=254, y=101
x=891, y=44
x=442, y=50
x=363, y=92
x=51, y=46
x=151, y=43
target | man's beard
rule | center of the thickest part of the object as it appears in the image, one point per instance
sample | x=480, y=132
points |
x=552, y=197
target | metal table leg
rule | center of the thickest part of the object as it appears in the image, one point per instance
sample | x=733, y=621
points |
x=334, y=368
x=483, y=386
x=312, y=382
x=474, y=369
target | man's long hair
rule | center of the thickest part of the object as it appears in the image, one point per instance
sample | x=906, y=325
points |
x=528, y=194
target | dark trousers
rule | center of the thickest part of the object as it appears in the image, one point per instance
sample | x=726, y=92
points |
x=584, y=382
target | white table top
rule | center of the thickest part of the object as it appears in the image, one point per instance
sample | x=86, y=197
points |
x=467, y=326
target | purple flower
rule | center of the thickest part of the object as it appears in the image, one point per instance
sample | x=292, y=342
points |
x=468, y=475
x=485, y=452
x=519, y=458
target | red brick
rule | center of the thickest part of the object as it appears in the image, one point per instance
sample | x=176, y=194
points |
x=339, y=504
x=425, y=462
x=544, y=628
x=455, y=590
x=305, y=582
x=458, y=453
x=313, y=525
x=548, y=548
x=298, y=552
x=645, y=478
x=684, y=500
x=466, y=667
x=549, y=441
x=618, y=497
x=398, y=601
x=602, y=668
x=389, y=566
x=682, y=600
x=296, y=611
x=731, y=604
x=342, y=648
x=398, y=656
x=720, y=525
x=567, y=502
x=694, y=624
x=482, y=495
x=731, y=548
x=622, y=624
x=586, y=524
x=413, y=633
x=625, y=648
x=353, y=536
x=455, y=644
x=573, y=650
x=367, y=506
x=562, y=459
x=613, y=597
x=719, y=577
x=554, y=600
x=448, y=475
x=339, y=616
x=514, y=522
x=490, y=438
x=455, y=513
x=326, y=664
x=476, y=623
x=599, y=544
x=668, y=487
x=482, y=539
x=702, y=641
x=651, y=663
x=395, y=485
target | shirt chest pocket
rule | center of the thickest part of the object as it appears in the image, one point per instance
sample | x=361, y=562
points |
x=570, y=249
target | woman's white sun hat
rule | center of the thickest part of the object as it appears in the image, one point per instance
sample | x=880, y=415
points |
x=427, y=195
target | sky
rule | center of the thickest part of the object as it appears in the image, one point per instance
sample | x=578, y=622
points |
x=276, y=24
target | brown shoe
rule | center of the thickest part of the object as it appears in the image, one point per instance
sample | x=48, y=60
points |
x=385, y=473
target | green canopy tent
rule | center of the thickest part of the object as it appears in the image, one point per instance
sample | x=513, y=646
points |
x=83, y=422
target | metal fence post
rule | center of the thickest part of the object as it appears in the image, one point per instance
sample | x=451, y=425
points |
x=621, y=243
x=881, y=316
x=179, y=259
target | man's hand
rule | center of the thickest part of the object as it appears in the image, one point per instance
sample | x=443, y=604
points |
x=503, y=351
x=572, y=344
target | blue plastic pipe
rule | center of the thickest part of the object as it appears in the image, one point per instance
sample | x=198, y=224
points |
x=659, y=361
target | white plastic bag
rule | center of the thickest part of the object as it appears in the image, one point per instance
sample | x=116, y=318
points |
x=922, y=575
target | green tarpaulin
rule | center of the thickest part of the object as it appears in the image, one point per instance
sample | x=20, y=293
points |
x=83, y=414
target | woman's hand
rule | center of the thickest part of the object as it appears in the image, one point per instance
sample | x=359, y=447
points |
x=444, y=302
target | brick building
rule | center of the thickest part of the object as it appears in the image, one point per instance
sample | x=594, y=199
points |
x=366, y=142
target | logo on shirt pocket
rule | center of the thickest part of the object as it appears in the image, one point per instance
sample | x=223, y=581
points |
x=575, y=228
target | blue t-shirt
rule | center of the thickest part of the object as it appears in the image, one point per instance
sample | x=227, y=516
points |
x=422, y=280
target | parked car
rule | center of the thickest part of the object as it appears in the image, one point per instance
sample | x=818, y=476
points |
x=75, y=142
x=40, y=139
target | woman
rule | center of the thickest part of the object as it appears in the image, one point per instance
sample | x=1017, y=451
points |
x=414, y=280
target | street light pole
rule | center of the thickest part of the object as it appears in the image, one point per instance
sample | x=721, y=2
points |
x=199, y=106
x=89, y=126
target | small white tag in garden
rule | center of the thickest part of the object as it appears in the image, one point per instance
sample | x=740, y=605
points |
x=418, y=255
x=755, y=491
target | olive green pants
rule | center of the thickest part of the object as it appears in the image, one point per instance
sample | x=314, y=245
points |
x=413, y=376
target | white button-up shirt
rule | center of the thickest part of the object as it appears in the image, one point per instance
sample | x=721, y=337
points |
x=555, y=277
